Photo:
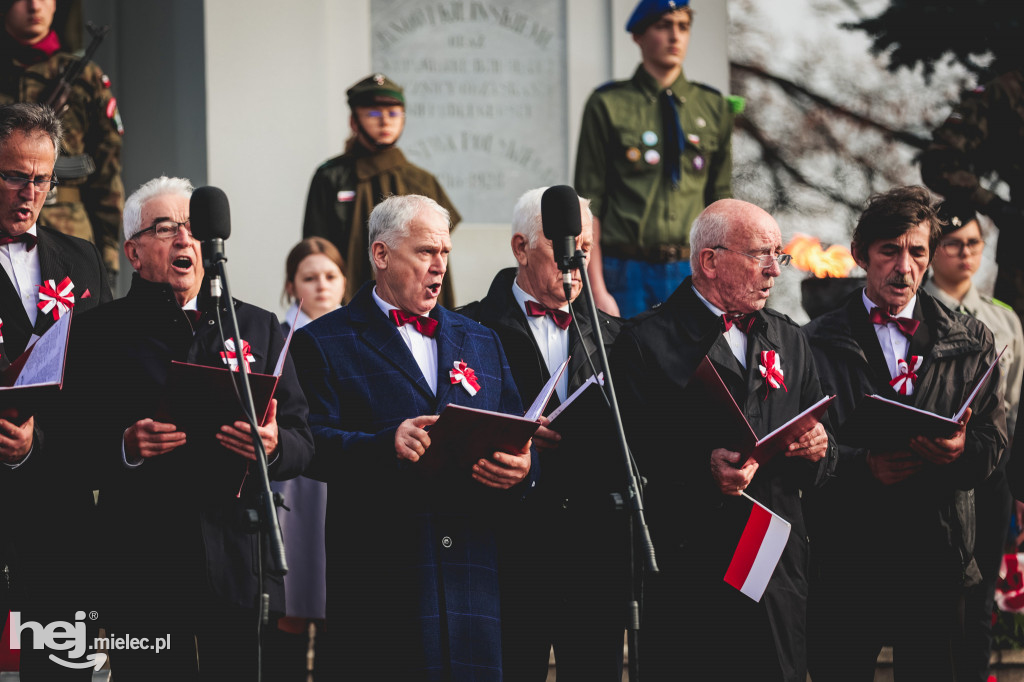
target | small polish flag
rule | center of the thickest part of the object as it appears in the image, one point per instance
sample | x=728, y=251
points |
x=758, y=551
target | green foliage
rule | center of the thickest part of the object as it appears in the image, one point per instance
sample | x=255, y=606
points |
x=984, y=35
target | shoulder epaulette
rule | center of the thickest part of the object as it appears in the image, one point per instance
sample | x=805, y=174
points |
x=1003, y=305
x=705, y=86
x=611, y=85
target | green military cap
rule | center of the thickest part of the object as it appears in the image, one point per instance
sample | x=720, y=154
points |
x=648, y=11
x=954, y=214
x=375, y=90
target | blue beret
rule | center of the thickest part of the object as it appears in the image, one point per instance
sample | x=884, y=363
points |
x=648, y=11
x=954, y=214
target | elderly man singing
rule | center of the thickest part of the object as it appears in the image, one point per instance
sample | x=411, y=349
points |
x=694, y=625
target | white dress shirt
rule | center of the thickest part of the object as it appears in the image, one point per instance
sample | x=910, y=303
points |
x=552, y=340
x=22, y=267
x=735, y=337
x=891, y=338
x=423, y=348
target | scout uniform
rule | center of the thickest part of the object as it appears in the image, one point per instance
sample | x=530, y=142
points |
x=629, y=143
x=345, y=189
x=89, y=201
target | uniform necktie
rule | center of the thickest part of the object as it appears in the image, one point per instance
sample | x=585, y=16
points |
x=26, y=238
x=424, y=325
x=672, y=134
x=907, y=325
x=744, y=322
x=559, y=317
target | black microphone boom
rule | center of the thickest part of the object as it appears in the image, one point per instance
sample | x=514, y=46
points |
x=560, y=216
x=210, y=219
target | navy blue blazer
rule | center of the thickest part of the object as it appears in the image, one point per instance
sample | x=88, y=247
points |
x=411, y=575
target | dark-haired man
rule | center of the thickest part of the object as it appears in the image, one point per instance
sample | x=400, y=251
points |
x=890, y=534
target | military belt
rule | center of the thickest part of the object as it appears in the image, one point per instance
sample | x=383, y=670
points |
x=659, y=253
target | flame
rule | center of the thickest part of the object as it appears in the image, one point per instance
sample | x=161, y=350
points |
x=836, y=261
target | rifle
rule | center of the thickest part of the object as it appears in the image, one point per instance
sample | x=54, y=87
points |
x=57, y=95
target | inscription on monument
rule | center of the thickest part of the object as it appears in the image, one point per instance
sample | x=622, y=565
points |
x=485, y=89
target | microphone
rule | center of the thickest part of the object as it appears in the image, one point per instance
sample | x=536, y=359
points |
x=210, y=218
x=560, y=217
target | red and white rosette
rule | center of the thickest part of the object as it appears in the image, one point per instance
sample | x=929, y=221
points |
x=771, y=370
x=230, y=357
x=462, y=374
x=56, y=299
x=1, y=331
x=906, y=375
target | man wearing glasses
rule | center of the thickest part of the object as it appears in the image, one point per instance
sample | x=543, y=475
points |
x=892, y=532
x=47, y=515
x=181, y=557
x=345, y=189
x=691, y=620
x=956, y=260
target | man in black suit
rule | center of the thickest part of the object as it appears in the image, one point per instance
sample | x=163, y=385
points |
x=46, y=514
x=181, y=548
x=562, y=559
x=693, y=624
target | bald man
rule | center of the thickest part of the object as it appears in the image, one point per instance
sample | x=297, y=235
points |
x=693, y=624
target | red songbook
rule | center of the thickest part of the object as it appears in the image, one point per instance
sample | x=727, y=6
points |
x=37, y=373
x=742, y=438
x=464, y=435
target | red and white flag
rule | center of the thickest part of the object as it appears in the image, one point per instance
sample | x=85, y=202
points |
x=758, y=551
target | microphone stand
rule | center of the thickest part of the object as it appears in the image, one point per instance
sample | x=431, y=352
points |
x=266, y=521
x=639, y=537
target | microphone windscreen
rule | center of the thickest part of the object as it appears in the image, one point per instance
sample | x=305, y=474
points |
x=560, y=212
x=209, y=214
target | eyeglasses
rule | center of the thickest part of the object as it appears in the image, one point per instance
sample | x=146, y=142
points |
x=18, y=182
x=165, y=229
x=953, y=247
x=765, y=260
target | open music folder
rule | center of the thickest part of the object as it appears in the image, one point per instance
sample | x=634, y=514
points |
x=463, y=435
x=38, y=373
x=741, y=438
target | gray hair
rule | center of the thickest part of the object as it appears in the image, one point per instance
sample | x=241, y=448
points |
x=157, y=187
x=526, y=216
x=389, y=220
x=710, y=229
x=27, y=118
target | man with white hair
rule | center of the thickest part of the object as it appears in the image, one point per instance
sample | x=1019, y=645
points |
x=45, y=275
x=569, y=526
x=693, y=624
x=177, y=497
x=412, y=588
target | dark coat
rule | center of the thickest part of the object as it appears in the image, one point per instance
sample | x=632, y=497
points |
x=672, y=432
x=177, y=519
x=412, y=587
x=568, y=527
x=916, y=517
x=48, y=511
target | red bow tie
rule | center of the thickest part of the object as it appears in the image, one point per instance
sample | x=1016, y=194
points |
x=745, y=322
x=424, y=325
x=26, y=238
x=559, y=317
x=907, y=325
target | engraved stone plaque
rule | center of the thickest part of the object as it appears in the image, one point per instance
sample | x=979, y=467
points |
x=485, y=90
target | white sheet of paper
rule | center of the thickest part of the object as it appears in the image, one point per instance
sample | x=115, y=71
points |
x=46, y=363
x=536, y=410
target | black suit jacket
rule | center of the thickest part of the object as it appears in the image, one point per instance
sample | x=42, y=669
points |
x=46, y=513
x=562, y=483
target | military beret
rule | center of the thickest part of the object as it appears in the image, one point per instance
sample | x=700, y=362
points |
x=374, y=90
x=954, y=214
x=649, y=11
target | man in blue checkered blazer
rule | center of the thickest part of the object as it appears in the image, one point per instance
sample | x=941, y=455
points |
x=412, y=589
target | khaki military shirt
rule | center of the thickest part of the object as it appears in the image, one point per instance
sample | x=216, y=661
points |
x=619, y=165
x=89, y=206
x=1006, y=328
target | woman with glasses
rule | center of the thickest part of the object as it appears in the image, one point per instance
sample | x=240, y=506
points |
x=346, y=188
x=956, y=260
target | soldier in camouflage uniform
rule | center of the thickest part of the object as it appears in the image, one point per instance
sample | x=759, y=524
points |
x=654, y=151
x=90, y=198
x=984, y=136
